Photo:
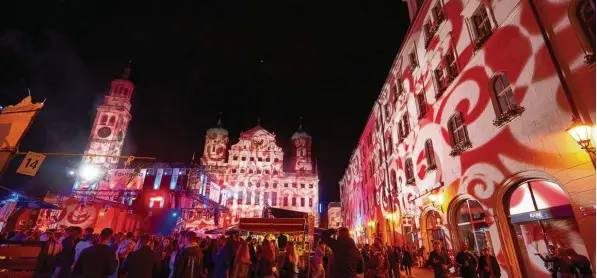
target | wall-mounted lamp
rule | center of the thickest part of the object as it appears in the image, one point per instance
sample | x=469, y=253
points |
x=581, y=133
x=436, y=201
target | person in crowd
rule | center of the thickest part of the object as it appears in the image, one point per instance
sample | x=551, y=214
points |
x=98, y=261
x=189, y=264
x=242, y=261
x=85, y=242
x=143, y=262
x=488, y=265
x=562, y=263
x=221, y=259
x=318, y=269
x=377, y=266
x=208, y=264
x=439, y=261
x=282, y=240
x=394, y=260
x=265, y=265
x=407, y=260
x=54, y=248
x=347, y=256
x=581, y=263
x=467, y=262
x=253, y=254
x=66, y=258
x=290, y=262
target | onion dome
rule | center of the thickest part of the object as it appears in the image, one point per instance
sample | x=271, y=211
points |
x=218, y=129
x=300, y=133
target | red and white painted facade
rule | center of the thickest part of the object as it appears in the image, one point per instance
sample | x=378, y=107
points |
x=252, y=175
x=472, y=118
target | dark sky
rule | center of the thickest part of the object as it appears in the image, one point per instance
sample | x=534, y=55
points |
x=323, y=60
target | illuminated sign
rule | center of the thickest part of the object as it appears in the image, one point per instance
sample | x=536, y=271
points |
x=126, y=178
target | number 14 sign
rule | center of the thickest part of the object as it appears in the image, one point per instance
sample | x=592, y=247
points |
x=31, y=164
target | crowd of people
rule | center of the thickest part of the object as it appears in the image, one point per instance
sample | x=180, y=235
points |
x=83, y=253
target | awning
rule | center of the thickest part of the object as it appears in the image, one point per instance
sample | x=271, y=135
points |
x=272, y=225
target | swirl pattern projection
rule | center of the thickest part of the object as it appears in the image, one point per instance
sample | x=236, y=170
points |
x=477, y=104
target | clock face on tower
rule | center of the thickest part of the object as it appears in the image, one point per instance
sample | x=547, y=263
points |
x=120, y=136
x=104, y=132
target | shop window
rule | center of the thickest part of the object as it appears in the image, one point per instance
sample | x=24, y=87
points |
x=421, y=104
x=434, y=228
x=393, y=181
x=541, y=216
x=458, y=135
x=409, y=171
x=430, y=155
x=472, y=226
x=502, y=97
x=481, y=25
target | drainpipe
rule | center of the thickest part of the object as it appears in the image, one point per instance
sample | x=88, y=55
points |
x=385, y=151
x=556, y=63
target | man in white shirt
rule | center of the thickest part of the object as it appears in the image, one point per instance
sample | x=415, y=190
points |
x=83, y=244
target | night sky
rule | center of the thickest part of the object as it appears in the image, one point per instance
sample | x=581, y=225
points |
x=276, y=61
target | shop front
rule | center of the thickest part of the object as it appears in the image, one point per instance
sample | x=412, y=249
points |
x=472, y=226
x=433, y=229
x=541, y=218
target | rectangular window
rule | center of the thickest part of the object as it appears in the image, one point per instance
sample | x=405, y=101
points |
x=406, y=124
x=439, y=80
x=267, y=172
x=258, y=171
x=248, y=197
x=302, y=185
x=243, y=158
x=310, y=185
x=310, y=202
x=274, y=198
x=302, y=202
x=438, y=14
x=229, y=201
x=251, y=158
x=239, y=201
x=286, y=185
x=421, y=104
x=257, y=196
x=400, y=132
x=294, y=185
x=413, y=60
x=450, y=60
x=481, y=24
x=390, y=144
x=235, y=157
x=259, y=159
x=398, y=88
x=285, y=201
x=234, y=171
x=428, y=28
x=267, y=159
x=294, y=201
x=266, y=198
x=242, y=170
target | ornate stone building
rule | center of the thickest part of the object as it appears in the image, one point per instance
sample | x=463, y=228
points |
x=252, y=175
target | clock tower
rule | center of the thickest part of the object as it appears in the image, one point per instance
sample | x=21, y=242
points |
x=111, y=122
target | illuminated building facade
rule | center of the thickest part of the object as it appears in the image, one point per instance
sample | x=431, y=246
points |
x=467, y=141
x=252, y=175
x=334, y=217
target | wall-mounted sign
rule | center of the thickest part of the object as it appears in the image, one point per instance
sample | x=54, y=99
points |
x=549, y=213
x=423, y=193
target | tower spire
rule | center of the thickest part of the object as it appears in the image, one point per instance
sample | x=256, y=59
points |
x=127, y=71
x=300, y=128
x=219, y=123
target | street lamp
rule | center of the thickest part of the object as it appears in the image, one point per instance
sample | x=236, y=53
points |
x=581, y=133
x=436, y=201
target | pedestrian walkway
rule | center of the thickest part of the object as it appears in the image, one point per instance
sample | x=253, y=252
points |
x=419, y=272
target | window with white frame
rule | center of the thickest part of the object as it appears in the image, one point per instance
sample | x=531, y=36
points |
x=409, y=171
x=481, y=25
x=439, y=80
x=406, y=124
x=413, y=60
x=421, y=104
x=438, y=14
x=430, y=155
x=458, y=134
x=398, y=88
x=451, y=64
x=586, y=18
x=504, y=103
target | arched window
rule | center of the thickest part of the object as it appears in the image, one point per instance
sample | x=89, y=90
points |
x=458, y=134
x=430, y=155
x=540, y=216
x=112, y=120
x=393, y=181
x=586, y=17
x=409, y=171
x=472, y=226
x=103, y=120
x=504, y=97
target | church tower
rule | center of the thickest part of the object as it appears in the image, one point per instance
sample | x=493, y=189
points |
x=216, y=141
x=301, y=151
x=111, y=122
